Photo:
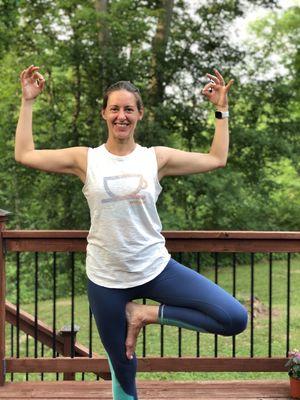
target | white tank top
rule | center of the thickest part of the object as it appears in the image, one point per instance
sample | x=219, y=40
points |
x=125, y=245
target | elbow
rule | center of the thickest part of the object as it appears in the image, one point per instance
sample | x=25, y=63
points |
x=219, y=162
x=18, y=158
x=222, y=163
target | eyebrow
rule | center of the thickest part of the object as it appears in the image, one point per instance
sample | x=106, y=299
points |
x=127, y=105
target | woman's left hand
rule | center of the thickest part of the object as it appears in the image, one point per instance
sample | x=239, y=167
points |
x=216, y=90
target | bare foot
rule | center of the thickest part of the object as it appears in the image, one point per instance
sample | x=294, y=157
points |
x=137, y=315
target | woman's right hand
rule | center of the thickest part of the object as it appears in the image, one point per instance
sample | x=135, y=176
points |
x=32, y=82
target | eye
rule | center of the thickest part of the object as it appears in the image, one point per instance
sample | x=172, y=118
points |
x=129, y=109
x=113, y=109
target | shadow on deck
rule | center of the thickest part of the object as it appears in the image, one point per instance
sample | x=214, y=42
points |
x=156, y=390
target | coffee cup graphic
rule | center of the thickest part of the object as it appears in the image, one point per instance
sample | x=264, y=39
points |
x=124, y=187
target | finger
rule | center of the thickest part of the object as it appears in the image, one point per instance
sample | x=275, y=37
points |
x=30, y=70
x=37, y=76
x=210, y=88
x=220, y=77
x=213, y=78
x=22, y=74
x=227, y=87
x=33, y=70
x=42, y=84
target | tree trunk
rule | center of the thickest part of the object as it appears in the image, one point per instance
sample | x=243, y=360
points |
x=101, y=6
x=159, y=48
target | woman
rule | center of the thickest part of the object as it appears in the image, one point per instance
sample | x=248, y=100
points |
x=126, y=254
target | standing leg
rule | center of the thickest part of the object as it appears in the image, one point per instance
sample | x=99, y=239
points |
x=108, y=307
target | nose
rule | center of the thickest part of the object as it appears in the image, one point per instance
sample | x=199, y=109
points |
x=121, y=114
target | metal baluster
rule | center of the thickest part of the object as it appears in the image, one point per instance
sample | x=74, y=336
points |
x=180, y=329
x=216, y=281
x=42, y=355
x=144, y=334
x=161, y=340
x=270, y=304
x=27, y=353
x=54, y=352
x=18, y=304
x=288, y=316
x=90, y=333
x=234, y=295
x=54, y=308
x=198, y=333
x=11, y=348
x=36, y=282
x=72, y=303
x=252, y=308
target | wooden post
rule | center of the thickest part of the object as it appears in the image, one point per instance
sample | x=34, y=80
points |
x=66, y=333
x=3, y=217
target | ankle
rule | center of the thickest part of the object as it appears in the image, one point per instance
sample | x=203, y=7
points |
x=151, y=314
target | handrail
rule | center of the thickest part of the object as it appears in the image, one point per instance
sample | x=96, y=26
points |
x=45, y=332
x=176, y=241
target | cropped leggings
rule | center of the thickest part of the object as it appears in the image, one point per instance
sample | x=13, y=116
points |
x=187, y=299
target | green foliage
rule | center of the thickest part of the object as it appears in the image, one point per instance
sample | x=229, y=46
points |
x=294, y=364
x=81, y=50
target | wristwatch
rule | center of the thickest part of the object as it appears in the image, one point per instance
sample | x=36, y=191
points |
x=222, y=114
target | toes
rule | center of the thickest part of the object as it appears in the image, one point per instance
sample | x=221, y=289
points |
x=130, y=343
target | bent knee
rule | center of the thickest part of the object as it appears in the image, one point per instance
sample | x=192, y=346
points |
x=238, y=322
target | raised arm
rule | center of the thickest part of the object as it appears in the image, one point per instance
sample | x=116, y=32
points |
x=176, y=162
x=70, y=160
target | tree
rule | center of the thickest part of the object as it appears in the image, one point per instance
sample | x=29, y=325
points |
x=83, y=46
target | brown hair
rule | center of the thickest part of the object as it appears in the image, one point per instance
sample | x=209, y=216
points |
x=123, y=85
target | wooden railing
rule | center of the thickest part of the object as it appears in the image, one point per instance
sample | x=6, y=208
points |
x=184, y=241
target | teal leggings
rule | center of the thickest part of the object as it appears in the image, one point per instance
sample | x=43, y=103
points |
x=187, y=299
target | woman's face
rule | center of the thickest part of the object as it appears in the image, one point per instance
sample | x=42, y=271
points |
x=121, y=114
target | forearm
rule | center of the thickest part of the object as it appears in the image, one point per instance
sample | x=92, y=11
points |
x=220, y=143
x=24, y=139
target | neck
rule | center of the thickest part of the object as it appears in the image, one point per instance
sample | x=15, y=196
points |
x=120, y=148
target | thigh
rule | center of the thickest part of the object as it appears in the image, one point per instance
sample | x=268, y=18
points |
x=180, y=286
x=108, y=307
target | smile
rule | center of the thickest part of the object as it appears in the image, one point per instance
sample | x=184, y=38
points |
x=121, y=123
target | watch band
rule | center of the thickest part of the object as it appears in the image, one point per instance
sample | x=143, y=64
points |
x=222, y=114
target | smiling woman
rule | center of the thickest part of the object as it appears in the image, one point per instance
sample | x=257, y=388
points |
x=126, y=254
x=122, y=109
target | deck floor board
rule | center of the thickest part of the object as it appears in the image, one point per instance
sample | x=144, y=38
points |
x=154, y=390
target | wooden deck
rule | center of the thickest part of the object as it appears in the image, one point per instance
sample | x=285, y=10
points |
x=155, y=390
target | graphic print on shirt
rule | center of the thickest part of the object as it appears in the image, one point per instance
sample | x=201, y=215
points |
x=124, y=187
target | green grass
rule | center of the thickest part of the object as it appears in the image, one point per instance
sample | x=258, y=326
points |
x=261, y=285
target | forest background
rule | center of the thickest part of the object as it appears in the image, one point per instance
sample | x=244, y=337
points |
x=165, y=47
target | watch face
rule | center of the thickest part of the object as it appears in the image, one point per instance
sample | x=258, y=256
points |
x=221, y=115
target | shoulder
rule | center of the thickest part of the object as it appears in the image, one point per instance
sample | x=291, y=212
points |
x=91, y=152
x=79, y=154
x=162, y=155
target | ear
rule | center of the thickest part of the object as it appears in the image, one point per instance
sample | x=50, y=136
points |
x=141, y=114
x=103, y=113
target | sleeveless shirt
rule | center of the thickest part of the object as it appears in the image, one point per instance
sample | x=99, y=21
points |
x=125, y=245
